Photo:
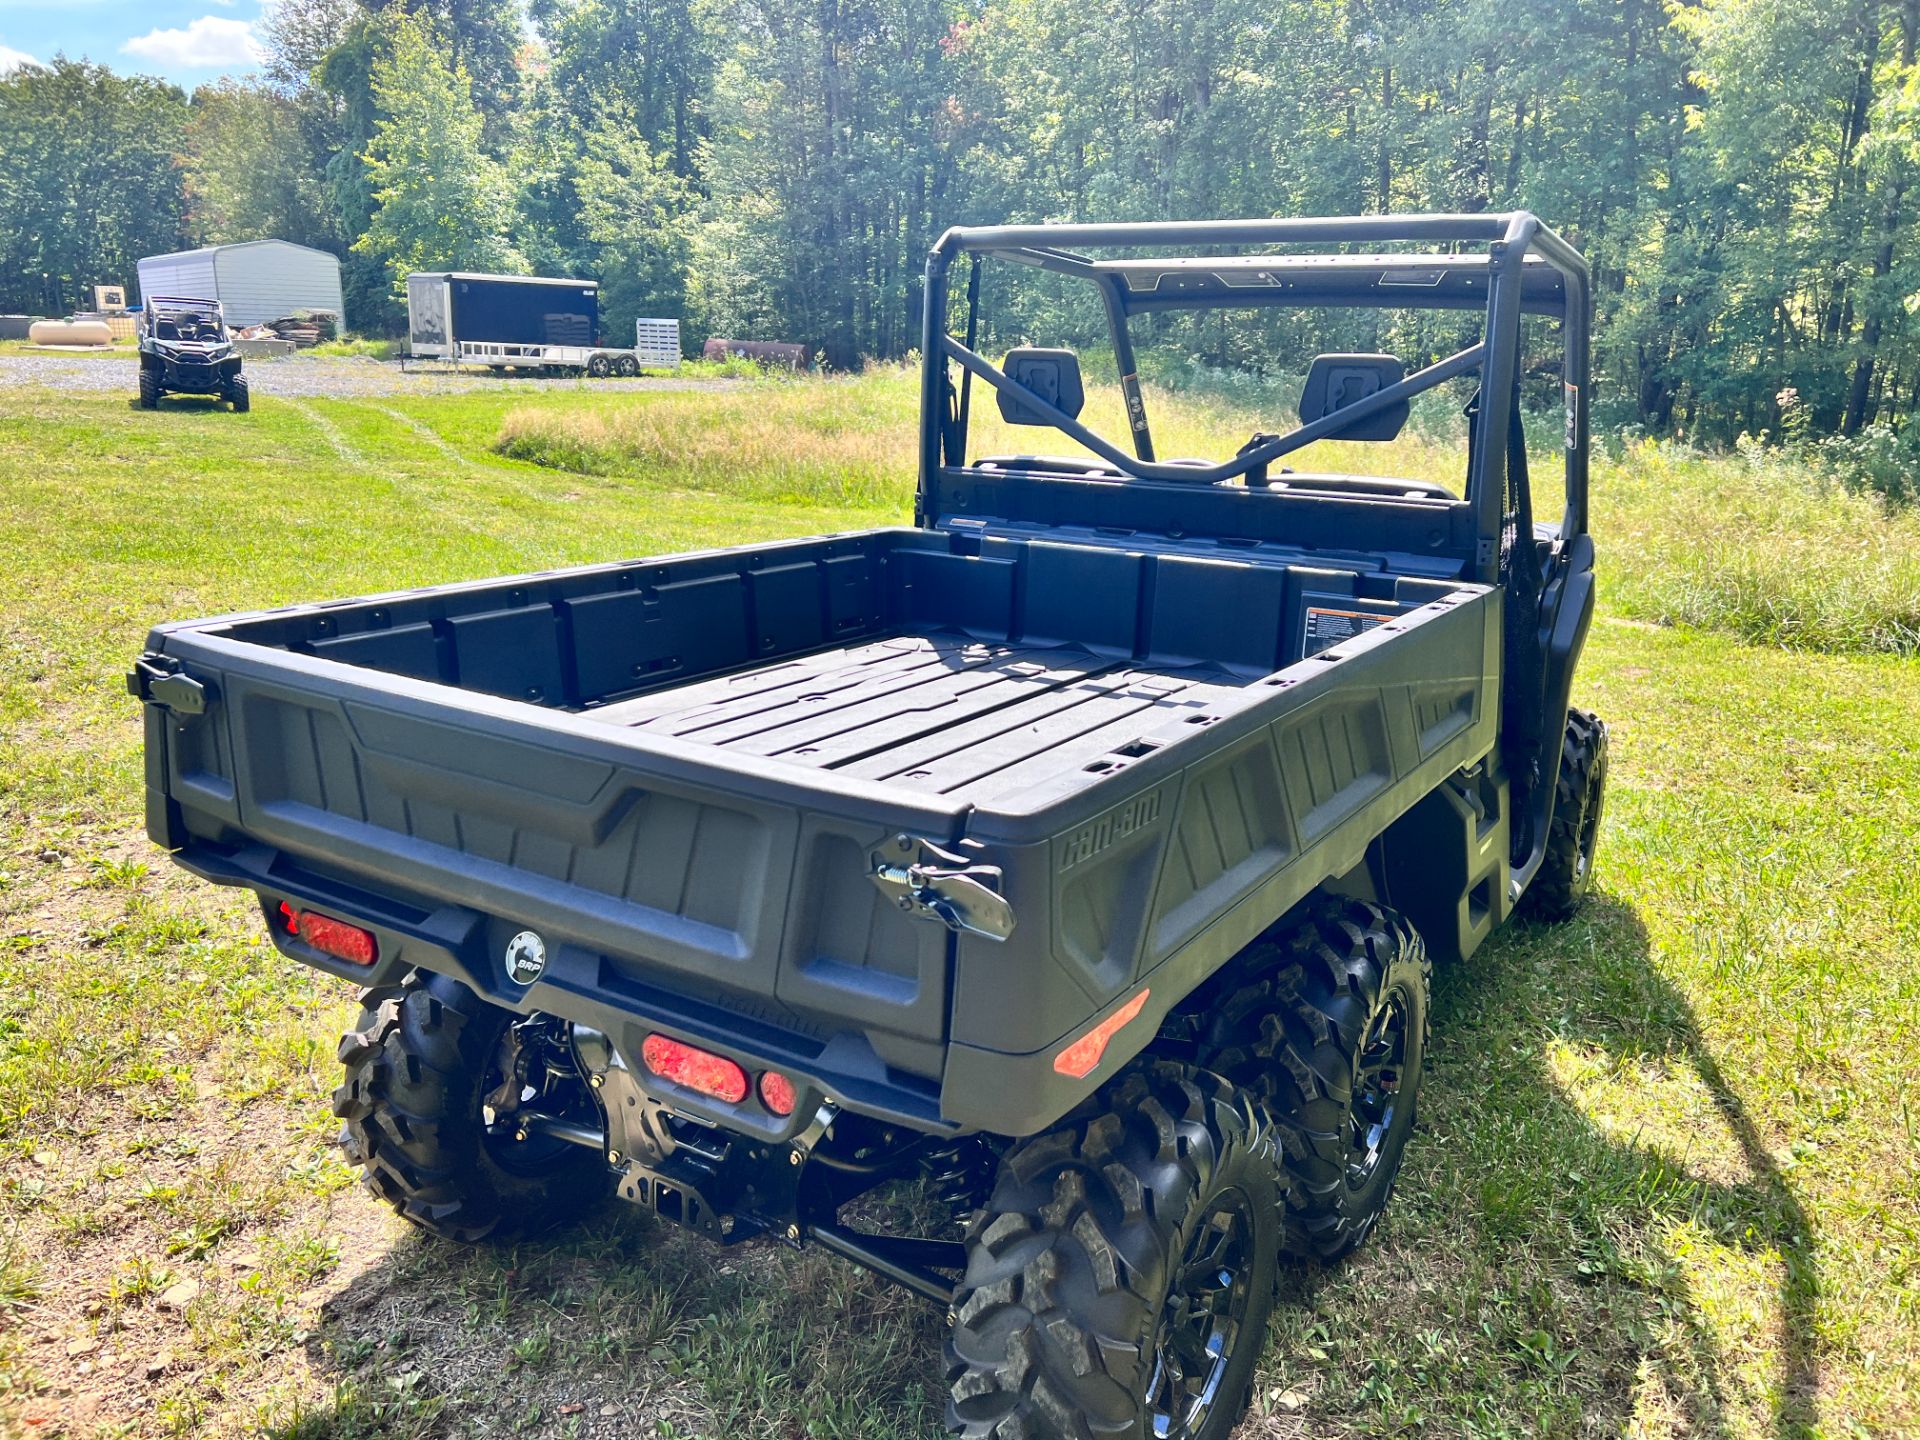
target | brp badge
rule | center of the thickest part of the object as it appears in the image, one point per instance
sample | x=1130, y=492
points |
x=526, y=958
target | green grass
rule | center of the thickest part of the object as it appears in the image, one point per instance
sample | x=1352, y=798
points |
x=1668, y=1175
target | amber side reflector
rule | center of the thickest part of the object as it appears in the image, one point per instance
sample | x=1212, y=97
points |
x=1080, y=1058
x=330, y=936
x=694, y=1068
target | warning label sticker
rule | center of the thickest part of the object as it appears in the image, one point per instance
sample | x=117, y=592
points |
x=1328, y=627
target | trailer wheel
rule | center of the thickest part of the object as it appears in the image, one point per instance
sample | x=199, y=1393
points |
x=424, y=1067
x=238, y=393
x=599, y=366
x=1579, y=796
x=149, y=389
x=626, y=367
x=1121, y=1275
x=1327, y=1028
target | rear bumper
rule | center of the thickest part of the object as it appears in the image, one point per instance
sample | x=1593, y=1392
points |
x=577, y=984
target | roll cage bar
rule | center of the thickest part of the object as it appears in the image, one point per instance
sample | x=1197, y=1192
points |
x=1525, y=269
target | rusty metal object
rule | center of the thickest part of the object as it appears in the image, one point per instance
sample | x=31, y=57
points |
x=763, y=352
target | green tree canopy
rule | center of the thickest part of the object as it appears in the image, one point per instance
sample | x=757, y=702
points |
x=441, y=202
x=89, y=180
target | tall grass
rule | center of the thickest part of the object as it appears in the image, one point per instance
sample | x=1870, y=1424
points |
x=1769, y=547
x=840, y=441
x=1760, y=544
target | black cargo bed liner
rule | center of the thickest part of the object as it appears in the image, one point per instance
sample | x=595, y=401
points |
x=934, y=710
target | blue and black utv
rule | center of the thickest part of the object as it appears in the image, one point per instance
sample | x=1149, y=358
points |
x=185, y=349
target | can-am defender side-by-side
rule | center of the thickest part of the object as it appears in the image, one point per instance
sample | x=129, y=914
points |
x=185, y=349
x=1080, y=850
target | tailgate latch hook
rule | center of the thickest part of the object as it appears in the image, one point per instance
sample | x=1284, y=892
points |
x=936, y=884
x=161, y=680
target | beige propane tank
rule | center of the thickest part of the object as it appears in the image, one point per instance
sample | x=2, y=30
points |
x=70, y=332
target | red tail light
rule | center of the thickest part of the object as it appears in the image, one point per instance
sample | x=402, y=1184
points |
x=696, y=1069
x=1080, y=1058
x=777, y=1093
x=330, y=936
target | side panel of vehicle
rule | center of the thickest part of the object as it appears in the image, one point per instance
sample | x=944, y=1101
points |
x=512, y=312
x=1179, y=870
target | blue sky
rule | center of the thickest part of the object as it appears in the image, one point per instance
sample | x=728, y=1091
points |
x=184, y=40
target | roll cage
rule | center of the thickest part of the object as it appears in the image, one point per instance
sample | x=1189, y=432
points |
x=175, y=312
x=1523, y=269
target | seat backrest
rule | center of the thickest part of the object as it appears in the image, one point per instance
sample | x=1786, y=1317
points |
x=1337, y=381
x=1053, y=375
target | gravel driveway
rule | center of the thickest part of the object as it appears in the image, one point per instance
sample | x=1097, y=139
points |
x=306, y=376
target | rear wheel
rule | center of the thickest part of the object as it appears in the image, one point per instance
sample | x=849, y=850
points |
x=1327, y=1028
x=626, y=367
x=237, y=392
x=435, y=1085
x=1579, y=797
x=1121, y=1275
x=149, y=390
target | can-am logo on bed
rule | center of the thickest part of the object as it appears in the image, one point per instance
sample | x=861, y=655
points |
x=1115, y=825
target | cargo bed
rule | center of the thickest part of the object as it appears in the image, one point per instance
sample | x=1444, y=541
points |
x=681, y=772
x=937, y=711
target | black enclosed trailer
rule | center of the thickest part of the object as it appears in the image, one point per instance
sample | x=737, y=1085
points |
x=511, y=322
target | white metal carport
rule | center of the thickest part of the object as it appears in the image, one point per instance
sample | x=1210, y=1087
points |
x=254, y=280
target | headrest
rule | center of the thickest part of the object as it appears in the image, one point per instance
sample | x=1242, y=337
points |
x=1337, y=381
x=1053, y=375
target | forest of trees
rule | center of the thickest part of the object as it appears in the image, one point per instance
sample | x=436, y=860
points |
x=1743, y=174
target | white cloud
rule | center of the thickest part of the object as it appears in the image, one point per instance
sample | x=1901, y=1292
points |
x=11, y=59
x=208, y=43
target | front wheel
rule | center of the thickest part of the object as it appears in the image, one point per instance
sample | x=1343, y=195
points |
x=1120, y=1278
x=237, y=392
x=1327, y=1027
x=599, y=367
x=149, y=390
x=1579, y=796
x=437, y=1082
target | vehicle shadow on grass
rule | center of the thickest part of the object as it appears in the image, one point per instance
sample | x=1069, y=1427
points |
x=620, y=1326
x=1591, y=1232
x=1583, y=1166
x=181, y=402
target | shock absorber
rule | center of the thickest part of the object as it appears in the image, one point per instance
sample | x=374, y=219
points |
x=959, y=1174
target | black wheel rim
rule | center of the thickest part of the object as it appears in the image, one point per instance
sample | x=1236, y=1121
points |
x=1378, y=1075
x=1202, y=1321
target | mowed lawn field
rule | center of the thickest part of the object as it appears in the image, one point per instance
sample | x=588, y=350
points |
x=1667, y=1177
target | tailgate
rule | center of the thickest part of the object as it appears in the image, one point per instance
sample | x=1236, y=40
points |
x=657, y=865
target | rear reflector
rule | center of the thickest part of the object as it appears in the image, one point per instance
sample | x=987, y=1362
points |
x=696, y=1069
x=330, y=936
x=1080, y=1058
x=776, y=1093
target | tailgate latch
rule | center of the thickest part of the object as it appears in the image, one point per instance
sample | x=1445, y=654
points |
x=936, y=884
x=161, y=680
